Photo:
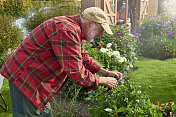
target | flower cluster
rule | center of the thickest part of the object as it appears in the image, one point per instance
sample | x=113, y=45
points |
x=167, y=109
x=156, y=37
x=112, y=54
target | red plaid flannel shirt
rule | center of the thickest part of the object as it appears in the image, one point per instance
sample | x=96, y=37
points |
x=49, y=54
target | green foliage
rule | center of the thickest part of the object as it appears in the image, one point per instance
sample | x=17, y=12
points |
x=157, y=37
x=61, y=8
x=3, y=59
x=114, y=52
x=122, y=40
x=126, y=100
x=11, y=7
x=10, y=35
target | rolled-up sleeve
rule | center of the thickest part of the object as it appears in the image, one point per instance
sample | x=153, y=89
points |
x=68, y=50
x=89, y=62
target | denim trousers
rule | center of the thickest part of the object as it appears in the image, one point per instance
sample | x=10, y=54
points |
x=23, y=107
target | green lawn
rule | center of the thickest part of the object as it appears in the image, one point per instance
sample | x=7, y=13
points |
x=157, y=78
x=6, y=94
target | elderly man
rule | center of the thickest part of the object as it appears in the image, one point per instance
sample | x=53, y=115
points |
x=51, y=54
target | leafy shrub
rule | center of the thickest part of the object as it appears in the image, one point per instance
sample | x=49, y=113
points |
x=126, y=100
x=157, y=37
x=3, y=60
x=114, y=52
x=12, y=7
x=62, y=8
x=10, y=35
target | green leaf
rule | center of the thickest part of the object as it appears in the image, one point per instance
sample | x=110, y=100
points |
x=122, y=109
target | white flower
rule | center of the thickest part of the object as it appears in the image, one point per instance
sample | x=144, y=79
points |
x=137, y=101
x=107, y=50
x=131, y=66
x=109, y=45
x=154, y=106
x=109, y=53
x=169, y=22
x=108, y=109
x=135, y=58
x=171, y=114
x=103, y=50
x=121, y=60
x=139, y=92
x=171, y=103
x=124, y=59
x=116, y=54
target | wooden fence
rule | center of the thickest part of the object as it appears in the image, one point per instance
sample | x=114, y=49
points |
x=137, y=10
x=109, y=6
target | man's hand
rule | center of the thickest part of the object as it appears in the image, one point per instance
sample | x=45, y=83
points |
x=109, y=82
x=115, y=74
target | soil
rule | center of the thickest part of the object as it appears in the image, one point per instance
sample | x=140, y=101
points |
x=67, y=108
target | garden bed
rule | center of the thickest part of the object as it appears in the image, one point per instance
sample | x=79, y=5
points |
x=64, y=107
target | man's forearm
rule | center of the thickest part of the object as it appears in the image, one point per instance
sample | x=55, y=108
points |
x=107, y=73
x=103, y=72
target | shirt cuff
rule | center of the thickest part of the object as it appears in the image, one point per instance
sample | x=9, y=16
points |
x=95, y=86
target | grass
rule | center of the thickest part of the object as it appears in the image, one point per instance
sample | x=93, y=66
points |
x=6, y=94
x=157, y=78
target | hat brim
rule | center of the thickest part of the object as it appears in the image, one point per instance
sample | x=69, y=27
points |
x=107, y=28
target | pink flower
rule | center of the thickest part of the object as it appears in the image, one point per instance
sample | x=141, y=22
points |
x=100, y=46
x=119, y=23
x=119, y=33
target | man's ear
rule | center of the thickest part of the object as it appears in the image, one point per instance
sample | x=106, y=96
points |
x=90, y=23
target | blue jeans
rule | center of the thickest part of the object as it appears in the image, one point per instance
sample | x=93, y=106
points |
x=23, y=107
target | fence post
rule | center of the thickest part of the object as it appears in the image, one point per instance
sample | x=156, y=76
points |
x=126, y=11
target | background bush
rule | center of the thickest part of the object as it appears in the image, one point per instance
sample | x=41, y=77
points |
x=157, y=38
x=36, y=16
x=12, y=7
x=10, y=36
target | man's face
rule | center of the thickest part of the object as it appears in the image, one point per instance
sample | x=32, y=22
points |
x=94, y=30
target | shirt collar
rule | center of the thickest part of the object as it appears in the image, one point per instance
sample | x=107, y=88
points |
x=77, y=20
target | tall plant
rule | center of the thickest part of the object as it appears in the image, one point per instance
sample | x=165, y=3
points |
x=59, y=8
x=10, y=36
x=157, y=37
x=11, y=7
